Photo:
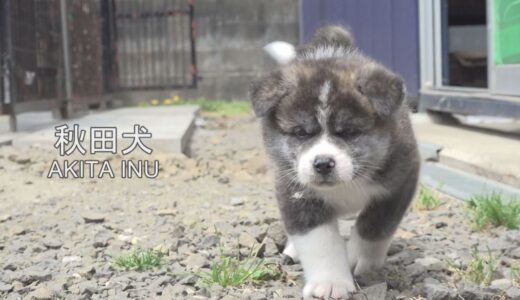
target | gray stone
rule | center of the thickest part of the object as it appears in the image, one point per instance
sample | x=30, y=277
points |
x=375, y=292
x=101, y=240
x=236, y=201
x=430, y=263
x=501, y=284
x=33, y=274
x=41, y=293
x=513, y=292
x=5, y=288
x=52, y=243
x=277, y=233
x=4, y=218
x=69, y=259
x=92, y=217
x=436, y=291
x=196, y=260
x=210, y=241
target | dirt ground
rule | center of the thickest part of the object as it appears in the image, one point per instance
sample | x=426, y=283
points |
x=59, y=237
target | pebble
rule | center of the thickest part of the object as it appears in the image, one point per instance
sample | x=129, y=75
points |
x=236, y=201
x=501, y=284
x=5, y=218
x=42, y=293
x=430, y=263
x=196, y=260
x=52, y=243
x=69, y=259
x=92, y=217
x=166, y=212
x=5, y=288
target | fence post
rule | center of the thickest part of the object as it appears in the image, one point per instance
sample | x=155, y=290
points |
x=193, y=50
x=7, y=60
x=67, y=108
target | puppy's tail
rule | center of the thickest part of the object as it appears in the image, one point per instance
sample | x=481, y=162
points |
x=334, y=35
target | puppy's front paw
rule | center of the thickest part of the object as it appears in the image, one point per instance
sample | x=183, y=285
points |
x=331, y=289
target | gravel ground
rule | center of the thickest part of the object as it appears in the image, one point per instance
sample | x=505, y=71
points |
x=58, y=238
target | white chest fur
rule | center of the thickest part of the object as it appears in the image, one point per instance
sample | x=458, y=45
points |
x=351, y=197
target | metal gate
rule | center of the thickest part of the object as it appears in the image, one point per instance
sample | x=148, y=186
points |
x=60, y=55
x=153, y=44
x=31, y=55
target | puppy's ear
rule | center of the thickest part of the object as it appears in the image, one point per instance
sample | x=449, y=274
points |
x=385, y=90
x=266, y=92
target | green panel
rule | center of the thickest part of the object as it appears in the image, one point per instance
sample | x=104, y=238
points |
x=506, y=31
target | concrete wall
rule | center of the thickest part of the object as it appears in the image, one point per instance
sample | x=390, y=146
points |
x=230, y=38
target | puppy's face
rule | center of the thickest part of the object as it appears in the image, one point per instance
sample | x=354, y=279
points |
x=323, y=126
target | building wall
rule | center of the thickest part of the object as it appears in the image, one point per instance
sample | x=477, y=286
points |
x=230, y=38
x=386, y=30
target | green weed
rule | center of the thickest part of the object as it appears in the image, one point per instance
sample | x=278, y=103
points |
x=427, y=199
x=492, y=210
x=233, y=270
x=139, y=260
x=481, y=269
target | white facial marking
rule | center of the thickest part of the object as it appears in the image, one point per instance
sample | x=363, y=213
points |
x=342, y=170
x=363, y=255
x=324, y=259
x=324, y=92
x=323, y=109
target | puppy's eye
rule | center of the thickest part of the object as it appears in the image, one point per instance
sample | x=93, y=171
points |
x=348, y=133
x=300, y=133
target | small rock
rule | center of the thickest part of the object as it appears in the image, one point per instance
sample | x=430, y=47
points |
x=196, y=260
x=124, y=238
x=513, y=292
x=34, y=274
x=5, y=288
x=52, y=243
x=236, y=201
x=375, y=292
x=277, y=233
x=435, y=290
x=41, y=294
x=19, y=159
x=210, y=241
x=440, y=225
x=166, y=212
x=92, y=217
x=17, y=230
x=430, y=263
x=247, y=240
x=501, y=284
x=269, y=248
x=101, y=240
x=223, y=180
x=69, y=259
x=4, y=218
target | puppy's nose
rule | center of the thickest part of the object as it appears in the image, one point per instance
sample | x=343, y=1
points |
x=324, y=164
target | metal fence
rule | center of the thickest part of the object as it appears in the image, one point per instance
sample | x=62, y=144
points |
x=58, y=54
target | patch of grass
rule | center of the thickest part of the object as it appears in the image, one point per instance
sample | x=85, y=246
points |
x=481, y=269
x=139, y=260
x=218, y=106
x=233, y=270
x=492, y=210
x=427, y=199
x=515, y=273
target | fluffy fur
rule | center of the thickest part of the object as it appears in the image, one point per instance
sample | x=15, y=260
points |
x=336, y=126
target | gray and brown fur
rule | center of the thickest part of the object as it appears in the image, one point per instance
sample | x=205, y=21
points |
x=368, y=119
